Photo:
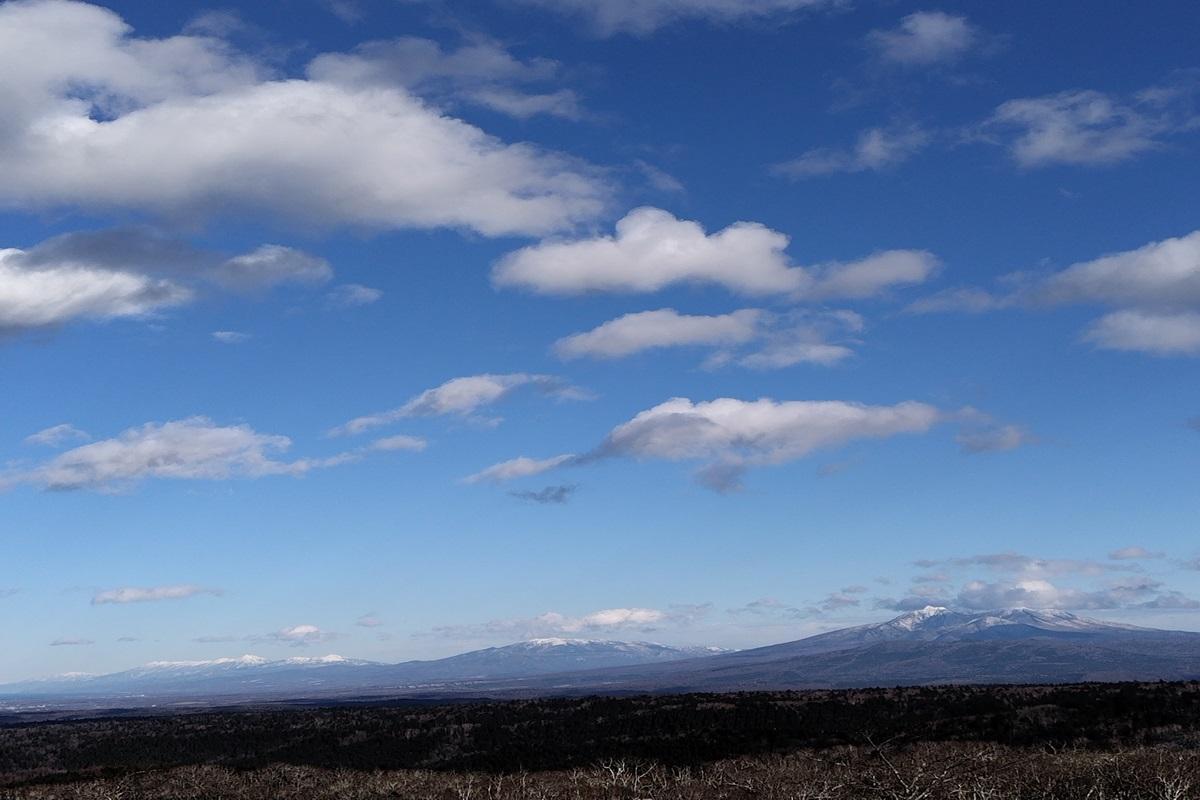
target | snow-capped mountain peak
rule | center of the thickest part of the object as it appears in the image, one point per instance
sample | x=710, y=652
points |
x=914, y=619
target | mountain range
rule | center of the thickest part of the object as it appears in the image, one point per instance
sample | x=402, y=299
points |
x=250, y=675
x=932, y=645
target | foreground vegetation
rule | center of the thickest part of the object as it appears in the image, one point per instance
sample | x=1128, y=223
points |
x=929, y=771
x=1088, y=741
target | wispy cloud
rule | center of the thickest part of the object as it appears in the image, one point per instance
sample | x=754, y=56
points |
x=1088, y=127
x=924, y=38
x=550, y=495
x=462, y=397
x=150, y=594
x=604, y=622
x=876, y=149
x=188, y=449
x=57, y=435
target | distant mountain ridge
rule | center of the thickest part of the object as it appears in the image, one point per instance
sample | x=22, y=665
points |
x=251, y=674
x=932, y=645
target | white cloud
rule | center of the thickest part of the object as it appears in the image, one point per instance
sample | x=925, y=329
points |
x=923, y=38
x=269, y=266
x=1146, y=332
x=38, y=296
x=480, y=73
x=72, y=642
x=1025, y=581
x=646, y=330
x=876, y=149
x=521, y=467
x=733, y=435
x=298, y=636
x=965, y=300
x=369, y=621
x=995, y=438
x=353, y=295
x=392, y=443
x=187, y=449
x=135, y=594
x=1132, y=553
x=761, y=431
x=1154, y=288
x=1038, y=593
x=652, y=249
x=603, y=622
x=798, y=348
x=641, y=17
x=1163, y=274
x=1085, y=127
x=56, y=435
x=873, y=275
x=786, y=340
x=132, y=273
x=303, y=150
x=460, y=396
x=230, y=337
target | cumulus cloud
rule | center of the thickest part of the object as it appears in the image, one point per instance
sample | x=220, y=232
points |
x=978, y=595
x=552, y=623
x=732, y=435
x=462, y=397
x=189, y=449
x=132, y=273
x=353, y=295
x=651, y=249
x=150, y=594
x=1159, y=275
x=304, y=150
x=1034, y=593
x=876, y=149
x=739, y=433
x=1086, y=127
x=924, y=38
x=551, y=495
x=521, y=467
x=479, y=73
x=1020, y=580
x=34, y=297
x=369, y=621
x=646, y=330
x=642, y=17
x=1155, y=289
x=1160, y=334
x=57, y=435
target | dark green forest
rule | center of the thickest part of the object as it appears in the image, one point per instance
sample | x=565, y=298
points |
x=683, y=735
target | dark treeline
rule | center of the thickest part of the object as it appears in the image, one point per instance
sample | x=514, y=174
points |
x=560, y=734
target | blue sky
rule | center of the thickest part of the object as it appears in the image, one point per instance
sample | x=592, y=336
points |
x=397, y=329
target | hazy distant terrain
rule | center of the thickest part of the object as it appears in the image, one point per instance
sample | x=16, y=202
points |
x=929, y=646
